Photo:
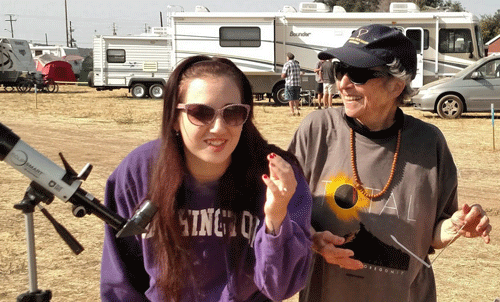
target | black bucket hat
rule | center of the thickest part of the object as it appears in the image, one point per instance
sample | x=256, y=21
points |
x=375, y=45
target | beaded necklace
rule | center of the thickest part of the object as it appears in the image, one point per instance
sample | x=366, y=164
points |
x=357, y=182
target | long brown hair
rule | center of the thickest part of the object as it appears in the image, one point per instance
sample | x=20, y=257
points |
x=242, y=179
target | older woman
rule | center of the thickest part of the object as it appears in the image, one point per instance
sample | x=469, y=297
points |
x=384, y=184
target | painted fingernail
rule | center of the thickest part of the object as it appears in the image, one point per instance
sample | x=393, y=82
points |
x=272, y=155
x=265, y=176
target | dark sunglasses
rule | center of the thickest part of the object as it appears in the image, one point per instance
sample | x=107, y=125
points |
x=201, y=115
x=358, y=76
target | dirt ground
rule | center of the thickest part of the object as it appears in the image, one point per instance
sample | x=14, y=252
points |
x=102, y=127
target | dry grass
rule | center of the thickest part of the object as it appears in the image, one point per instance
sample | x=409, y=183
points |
x=102, y=127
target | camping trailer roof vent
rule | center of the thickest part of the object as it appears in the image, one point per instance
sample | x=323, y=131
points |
x=289, y=9
x=201, y=9
x=403, y=7
x=338, y=9
x=313, y=7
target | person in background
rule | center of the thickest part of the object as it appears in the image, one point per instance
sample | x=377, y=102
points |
x=291, y=73
x=384, y=183
x=328, y=79
x=319, y=86
x=233, y=220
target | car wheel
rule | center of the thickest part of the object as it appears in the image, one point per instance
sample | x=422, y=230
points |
x=279, y=94
x=450, y=106
x=138, y=90
x=156, y=91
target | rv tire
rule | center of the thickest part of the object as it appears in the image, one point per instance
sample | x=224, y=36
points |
x=156, y=91
x=279, y=94
x=138, y=90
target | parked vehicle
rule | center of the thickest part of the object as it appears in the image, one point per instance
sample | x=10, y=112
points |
x=140, y=63
x=257, y=42
x=15, y=62
x=473, y=89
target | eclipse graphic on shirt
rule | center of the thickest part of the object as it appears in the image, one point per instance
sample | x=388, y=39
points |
x=344, y=200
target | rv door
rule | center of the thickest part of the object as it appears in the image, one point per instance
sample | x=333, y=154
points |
x=416, y=35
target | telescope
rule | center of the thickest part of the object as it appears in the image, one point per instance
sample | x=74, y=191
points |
x=49, y=180
x=65, y=184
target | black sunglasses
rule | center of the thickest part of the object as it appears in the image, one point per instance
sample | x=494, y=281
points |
x=358, y=76
x=201, y=115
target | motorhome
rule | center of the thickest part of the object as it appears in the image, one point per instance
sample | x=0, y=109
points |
x=15, y=61
x=446, y=42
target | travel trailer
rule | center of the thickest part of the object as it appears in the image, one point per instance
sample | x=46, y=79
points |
x=140, y=63
x=15, y=61
x=446, y=43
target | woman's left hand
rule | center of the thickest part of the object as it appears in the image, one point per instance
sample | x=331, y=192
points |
x=281, y=185
x=476, y=222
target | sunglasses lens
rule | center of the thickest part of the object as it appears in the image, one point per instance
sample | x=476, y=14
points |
x=358, y=76
x=235, y=115
x=200, y=114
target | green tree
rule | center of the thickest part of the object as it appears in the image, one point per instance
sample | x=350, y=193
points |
x=449, y=5
x=353, y=6
x=453, y=6
x=490, y=26
x=377, y=5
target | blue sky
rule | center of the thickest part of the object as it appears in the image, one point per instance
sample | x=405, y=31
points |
x=45, y=19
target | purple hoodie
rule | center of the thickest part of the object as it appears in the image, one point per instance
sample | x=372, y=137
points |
x=250, y=265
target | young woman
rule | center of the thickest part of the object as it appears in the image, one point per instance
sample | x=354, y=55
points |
x=234, y=211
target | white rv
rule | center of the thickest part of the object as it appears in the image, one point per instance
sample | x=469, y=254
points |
x=140, y=63
x=446, y=42
x=15, y=60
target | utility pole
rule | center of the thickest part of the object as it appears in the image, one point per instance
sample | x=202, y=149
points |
x=66, y=13
x=71, y=30
x=11, y=20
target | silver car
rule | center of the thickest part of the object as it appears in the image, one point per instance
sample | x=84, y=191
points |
x=473, y=89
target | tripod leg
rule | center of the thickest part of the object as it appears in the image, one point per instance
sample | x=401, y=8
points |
x=34, y=294
x=30, y=240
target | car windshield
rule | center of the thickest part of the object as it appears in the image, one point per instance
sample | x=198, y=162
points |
x=470, y=68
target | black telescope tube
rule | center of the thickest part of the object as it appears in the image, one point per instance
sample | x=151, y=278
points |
x=82, y=198
x=8, y=140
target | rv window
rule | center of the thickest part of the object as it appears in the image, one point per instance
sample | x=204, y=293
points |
x=239, y=36
x=454, y=40
x=414, y=36
x=116, y=55
x=479, y=39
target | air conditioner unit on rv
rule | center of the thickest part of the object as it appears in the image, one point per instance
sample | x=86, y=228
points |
x=313, y=7
x=289, y=9
x=338, y=9
x=201, y=9
x=403, y=7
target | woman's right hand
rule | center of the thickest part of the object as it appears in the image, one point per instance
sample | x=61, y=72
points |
x=325, y=244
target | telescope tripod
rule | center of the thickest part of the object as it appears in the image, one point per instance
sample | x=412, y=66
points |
x=33, y=196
